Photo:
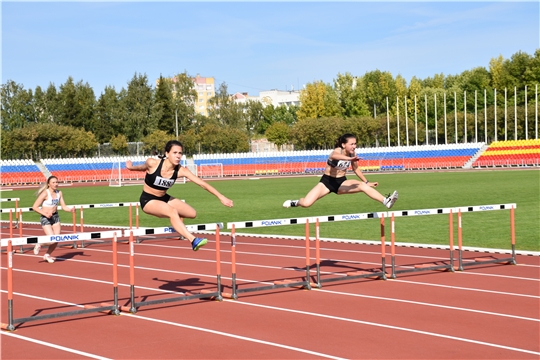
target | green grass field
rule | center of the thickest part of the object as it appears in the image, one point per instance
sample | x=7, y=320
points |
x=262, y=199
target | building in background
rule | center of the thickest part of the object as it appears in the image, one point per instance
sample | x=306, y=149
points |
x=206, y=89
x=271, y=97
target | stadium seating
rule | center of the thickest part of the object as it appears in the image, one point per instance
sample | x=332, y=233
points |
x=372, y=159
x=22, y=172
x=502, y=153
x=510, y=153
x=94, y=169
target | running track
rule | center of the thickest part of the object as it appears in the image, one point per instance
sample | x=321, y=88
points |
x=485, y=312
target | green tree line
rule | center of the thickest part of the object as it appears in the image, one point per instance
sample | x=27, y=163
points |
x=70, y=121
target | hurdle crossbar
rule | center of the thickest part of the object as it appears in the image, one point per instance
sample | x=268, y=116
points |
x=365, y=216
x=304, y=220
x=9, y=199
x=61, y=238
x=109, y=308
x=169, y=230
x=80, y=206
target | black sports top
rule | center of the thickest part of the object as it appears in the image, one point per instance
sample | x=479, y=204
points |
x=155, y=181
x=339, y=164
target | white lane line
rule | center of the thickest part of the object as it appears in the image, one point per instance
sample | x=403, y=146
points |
x=240, y=337
x=388, y=327
x=51, y=345
x=428, y=304
x=466, y=289
x=497, y=275
x=197, y=328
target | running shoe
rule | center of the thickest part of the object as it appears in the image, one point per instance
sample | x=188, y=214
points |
x=198, y=243
x=291, y=203
x=36, y=249
x=50, y=259
x=390, y=199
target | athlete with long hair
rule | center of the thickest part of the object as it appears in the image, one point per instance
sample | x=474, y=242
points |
x=340, y=160
x=161, y=175
x=46, y=204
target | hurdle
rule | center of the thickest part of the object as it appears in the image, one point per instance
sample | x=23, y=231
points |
x=306, y=284
x=352, y=274
x=80, y=207
x=450, y=211
x=203, y=294
x=16, y=200
x=480, y=261
x=10, y=242
x=306, y=220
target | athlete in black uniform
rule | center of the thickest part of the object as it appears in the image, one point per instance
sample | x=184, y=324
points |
x=334, y=179
x=160, y=177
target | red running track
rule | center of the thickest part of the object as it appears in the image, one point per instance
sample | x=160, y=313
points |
x=487, y=311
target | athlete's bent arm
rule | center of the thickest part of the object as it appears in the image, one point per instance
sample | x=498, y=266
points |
x=361, y=176
x=149, y=163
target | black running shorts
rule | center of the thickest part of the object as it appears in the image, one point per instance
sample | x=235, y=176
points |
x=332, y=183
x=55, y=218
x=146, y=197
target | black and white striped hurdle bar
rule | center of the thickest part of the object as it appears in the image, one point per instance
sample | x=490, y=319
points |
x=9, y=199
x=455, y=210
x=84, y=206
x=170, y=230
x=364, y=216
x=61, y=238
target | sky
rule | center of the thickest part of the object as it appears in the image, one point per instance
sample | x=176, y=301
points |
x=254, y=46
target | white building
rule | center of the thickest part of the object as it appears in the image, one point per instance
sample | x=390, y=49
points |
x=274, y=97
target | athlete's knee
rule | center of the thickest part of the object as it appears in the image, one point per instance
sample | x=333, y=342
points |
x=190, y=215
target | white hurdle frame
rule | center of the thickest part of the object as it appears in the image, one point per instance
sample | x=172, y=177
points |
x=10, y=242
x=77, y=206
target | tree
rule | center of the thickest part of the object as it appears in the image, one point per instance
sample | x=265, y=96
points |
x=317, y=100
x=184, y=99
x=163, y=107
x=286, y=114
x=76, y=105
x=225, y=110
x=313, y=134
x=155, y=142
x=138, y=106
x=119, y=144
x=108, y=115
x=379, y=86
x=254, y=117
x=352, y=97
x=16, y=111
x=278, y=133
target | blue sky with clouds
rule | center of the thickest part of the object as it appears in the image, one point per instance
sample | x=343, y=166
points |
x=254, y=46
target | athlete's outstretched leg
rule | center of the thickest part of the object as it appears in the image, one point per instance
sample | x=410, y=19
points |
x=319, y=191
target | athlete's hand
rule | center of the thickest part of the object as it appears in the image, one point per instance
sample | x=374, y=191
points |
x=226, y=202
x=129, y=164
x=373, y=184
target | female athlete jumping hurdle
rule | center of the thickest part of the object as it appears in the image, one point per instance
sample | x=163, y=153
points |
x=161, y=176
x=334, y=179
